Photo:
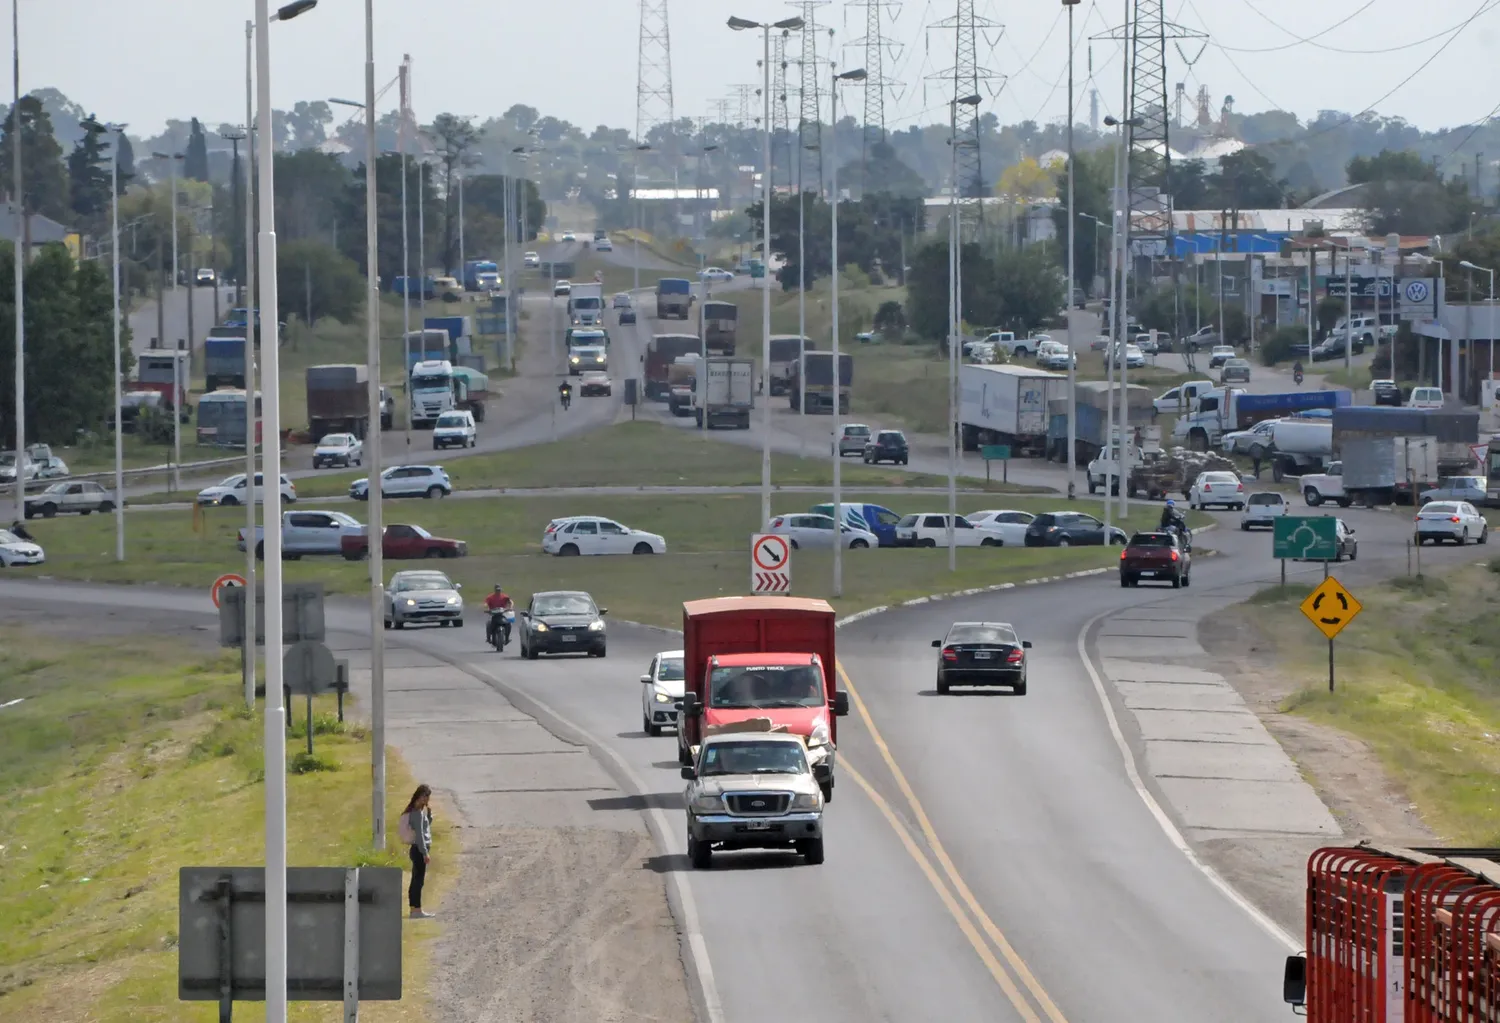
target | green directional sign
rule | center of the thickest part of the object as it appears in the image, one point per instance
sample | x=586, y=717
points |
x=1308, y=537
x=995, y=452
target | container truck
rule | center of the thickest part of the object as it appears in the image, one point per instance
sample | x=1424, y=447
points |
x=720, y=320
x=1091, y=399
x=771, y=658
x=727, y=394
x=586, y=305
x=338, y=400
x=223, y=363
x=674, y=298
x=680, y=381
x=437, y=386
x=430, y=344
x=661, y=351
x=786, y=350
x=458, y=328
x=812, y=383
x=481, y=275
x=1388, y=454
x=1007, y=405
x=1226, y=409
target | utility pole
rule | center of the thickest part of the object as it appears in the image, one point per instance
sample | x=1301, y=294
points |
x=22, y=253
x=965, y=77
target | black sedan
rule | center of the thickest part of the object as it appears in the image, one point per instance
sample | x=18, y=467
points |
x=561, y=622
x=1386, y=392
x=627, y=315
x=1069, y=529
x=888, y=446
x=981, y=654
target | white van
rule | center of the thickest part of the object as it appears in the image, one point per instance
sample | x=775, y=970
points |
x=1181, y=399
x=1425, y=397
x=455, y=429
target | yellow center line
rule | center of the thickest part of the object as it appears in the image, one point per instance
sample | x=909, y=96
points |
x=954, y=909
x=1011, y=956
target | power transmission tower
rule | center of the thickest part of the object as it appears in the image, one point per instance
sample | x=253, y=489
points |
x=875, y=47
x=809, y=115
x=743, y=96
x=653, y=90
x=965, y=77
x=720, y=109
x=781, y=124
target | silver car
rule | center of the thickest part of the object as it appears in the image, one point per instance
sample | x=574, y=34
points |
x=1454, y=488
x=815, y=531
x=752, y=790
x=422, y=596
x=852, y=439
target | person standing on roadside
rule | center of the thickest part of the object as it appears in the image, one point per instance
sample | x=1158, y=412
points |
x=415, y=828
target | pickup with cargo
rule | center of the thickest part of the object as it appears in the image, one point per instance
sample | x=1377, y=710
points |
x=1226, y=409
x=661, y=352
x=720, y=320
x=223, y=363
x=786, y=350
x=586, y=305
x=338, y=400
x=438, y=386
x=748, y=658
x=308, y=532
x=1007, y=405
x=674, y=298
x=481, y=275
x=430, y=344
x=811, y=386
x=724, y=392
x=681, y=378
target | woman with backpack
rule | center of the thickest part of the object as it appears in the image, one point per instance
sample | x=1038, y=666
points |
x=415, y=830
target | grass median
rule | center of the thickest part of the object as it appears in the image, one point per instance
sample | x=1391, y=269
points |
x=1415, y=680
x=707, y=536
x=123, y=761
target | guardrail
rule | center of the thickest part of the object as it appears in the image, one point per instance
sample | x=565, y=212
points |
x=165, y=469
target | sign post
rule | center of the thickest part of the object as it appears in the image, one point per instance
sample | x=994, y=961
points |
x=1304, y=538
x=770, y=563
x=1331, y=608
x=996, y=453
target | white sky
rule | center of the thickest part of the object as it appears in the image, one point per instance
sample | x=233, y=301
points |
x=142, y=61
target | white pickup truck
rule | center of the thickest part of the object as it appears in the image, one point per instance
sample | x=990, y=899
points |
x=308, y=532
x=1325, y=486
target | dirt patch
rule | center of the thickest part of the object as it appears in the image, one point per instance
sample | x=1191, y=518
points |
x=548, y=925
x=1342, y=769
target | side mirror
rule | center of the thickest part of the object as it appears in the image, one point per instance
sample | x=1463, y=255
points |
x=936, y=643
x=1026, y=644
x=691, y=705
x=645, y=678
x=840, y=703
x=458, y=586
x=689, y=773
x=1293, y=980
x=603, y=611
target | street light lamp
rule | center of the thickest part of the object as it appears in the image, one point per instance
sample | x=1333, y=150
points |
x=857, y=75
x=635, y=202
x=1491, y=328
x=955, y=324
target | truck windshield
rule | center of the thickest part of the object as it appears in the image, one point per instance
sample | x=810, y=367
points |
x=430, y=381
x=587, y=302
x=767, y=685
x=752, y=758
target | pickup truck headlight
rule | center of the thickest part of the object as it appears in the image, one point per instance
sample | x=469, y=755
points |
x=596, y=626
x=807, y=801
x=707, y=803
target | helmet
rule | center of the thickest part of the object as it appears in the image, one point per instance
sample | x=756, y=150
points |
x=499, y=588
x=1171, y=503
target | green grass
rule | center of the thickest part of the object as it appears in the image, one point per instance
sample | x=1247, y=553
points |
x=126, y=760
x=1416, y=678
x=708, y=536
x=97, y=453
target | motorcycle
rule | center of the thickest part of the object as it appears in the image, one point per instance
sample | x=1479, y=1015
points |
x=567, y=399
x=498, y=630
x=1184, y=535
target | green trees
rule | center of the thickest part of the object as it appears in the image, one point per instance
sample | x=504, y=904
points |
x=314, y=280
x=45, y=180
x=1014, y=289
x=1407, y=195
x=870, y=233
x=195, y=157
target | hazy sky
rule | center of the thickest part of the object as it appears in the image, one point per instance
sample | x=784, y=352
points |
x=142, y=61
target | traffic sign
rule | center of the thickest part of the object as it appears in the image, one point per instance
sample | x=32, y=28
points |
x=770, y=563
x=1330, y=607
x=228, y=579
x=1305, y=538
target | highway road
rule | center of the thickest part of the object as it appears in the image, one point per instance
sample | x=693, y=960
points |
x=174, y=317
x=989, y=858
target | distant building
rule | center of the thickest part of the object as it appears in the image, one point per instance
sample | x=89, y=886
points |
x=44, y=230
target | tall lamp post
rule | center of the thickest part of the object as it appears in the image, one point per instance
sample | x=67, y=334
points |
x=1072, y=275
x=275, y=715
x=1491, y=328
x=955, y=323
x=857, y=75
x=19, y=262
x=176, y=392
x=174, y=158
x=114, y=231
x=740, y=25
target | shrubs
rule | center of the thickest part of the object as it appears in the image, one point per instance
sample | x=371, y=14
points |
x=1278, y=347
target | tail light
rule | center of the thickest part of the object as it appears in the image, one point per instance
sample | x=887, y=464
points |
x=1239, y=486
x=1122, y=555
x=950, y=654
x=1453, y=518
x=1174, y=555
x=1016, y=655
x=776, y=524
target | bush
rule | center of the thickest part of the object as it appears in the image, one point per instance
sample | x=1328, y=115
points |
x=312, y=276
x=890, y=318
x=1278, y=347
x=310, y=763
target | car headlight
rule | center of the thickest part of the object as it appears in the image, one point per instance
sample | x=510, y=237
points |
x=410, y=602
x=575, y=358
x=662, y=697
x=807, y=801
x=707, y=803
x=596, y=626
x=453, y=600
x=541, y=626
x=819, y=735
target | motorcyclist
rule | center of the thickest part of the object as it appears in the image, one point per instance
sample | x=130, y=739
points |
x=495, y=605
x=565, y=392
x=22, y=533
x=1171, y=517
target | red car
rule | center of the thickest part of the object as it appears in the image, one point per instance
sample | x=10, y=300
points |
x=1160, y=556
x=403, y=541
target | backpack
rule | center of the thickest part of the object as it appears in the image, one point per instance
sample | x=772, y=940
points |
x=405, y=831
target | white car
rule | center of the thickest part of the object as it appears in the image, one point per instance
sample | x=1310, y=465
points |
x=51, y=468
x=814, y=531
x=232, y=491
x=1010, y=525
x=1425, y=397
x=569, y=236
x=1262, y=509
x=531, y=259
x=1221, y=488
x=604, y=245
x=925, y=529
x=1220, y=355
x=455, y=429
x=662, y=688
x=204, y=277
x=1133, y=356
x=1241, y=442
x=561, y=288
x=429, y=481
x=591, y=535
x=15, y=551
x=716, y=273
x=81, y=496
x=342, y=449
x=1055, y=355
x=1458, y=521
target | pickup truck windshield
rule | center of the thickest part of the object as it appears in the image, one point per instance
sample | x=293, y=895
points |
x=773, y=685
x=752, y=758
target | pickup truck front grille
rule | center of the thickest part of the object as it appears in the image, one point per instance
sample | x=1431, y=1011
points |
x=758, y=804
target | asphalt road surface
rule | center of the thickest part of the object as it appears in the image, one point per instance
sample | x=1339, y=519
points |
x=174, y=316
x=988, y=857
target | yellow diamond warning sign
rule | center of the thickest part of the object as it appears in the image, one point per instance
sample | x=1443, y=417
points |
x=1330, y=607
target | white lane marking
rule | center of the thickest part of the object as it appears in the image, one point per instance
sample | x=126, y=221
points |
x=12, y=703
x=1162, y=819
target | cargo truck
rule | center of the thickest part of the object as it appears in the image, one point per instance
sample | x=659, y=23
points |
x=437, y=386
x=720, y=321
x=460, y=329
x=224, y=363
x=786, y=350
x=338, y=400
x=1091, y=398
x=1007, y=405
x=724, y=392
x=1295, y=445
x=586, y=305
x=773, y=658
x=1388, y=455
x=1226, y=409
x=680, y=380
x=165, y=370
x=812, y=382
x=481, y=275
x=661, y=351
x=430, y=344
x=674, y=298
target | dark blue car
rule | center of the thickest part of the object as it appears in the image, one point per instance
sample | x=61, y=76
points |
x=871, y=517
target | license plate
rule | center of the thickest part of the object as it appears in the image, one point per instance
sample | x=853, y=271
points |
x=982, y=655
x=758, y=825
x=570, y=639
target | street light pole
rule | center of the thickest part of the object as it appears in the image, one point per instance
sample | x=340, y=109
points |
x=857, y=75
x=405, y=259
x=252, y=332
x=19, y=204
x=1490, y=329
x=177, y=351
x=114, y=229
x=1072, y=275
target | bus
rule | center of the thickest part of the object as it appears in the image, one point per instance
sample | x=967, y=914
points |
x=221, y=418
x=159, y=370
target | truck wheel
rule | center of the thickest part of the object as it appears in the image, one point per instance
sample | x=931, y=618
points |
x=49, y=510
x=1345, y=502
x=700, y=854
x=1312, y=497
x=811, y=850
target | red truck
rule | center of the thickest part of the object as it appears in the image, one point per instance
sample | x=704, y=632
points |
x=763, y=657
x=1163, y=557
x=661, y=351
x=403, y=542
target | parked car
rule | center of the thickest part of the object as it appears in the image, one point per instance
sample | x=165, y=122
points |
x=1055, y=355
x=561, y=622
x=403, y=542
x=423, y=597
x=1332, y=347
x=594, y=382
x=981, y=654
x=561, y=288
x=1070, y=529
x=1159, y=556
x=1425, y=397
x=1217, y=488
x=307, y=532
x=15, y=551
x=1220, y=355
x=82, y=497
x=662, y=688
x=852, y=439
x=341, y=449
x=406, y=481
x=888, y=446
x=232, y=491
x=1385, y=392
x=927, y=529
x=1458, y=521
x=50, y=467
x=715, y=274
x=1243, y=442
x=1203, y=337
x=871, y=518
x=590, y=535
x=752, y=790
x=455, y=428
x=1263, y=508
x=1235, y=371
x=1009, y=524
x=1456, y=488
x=814, y=531
x=1133, y=357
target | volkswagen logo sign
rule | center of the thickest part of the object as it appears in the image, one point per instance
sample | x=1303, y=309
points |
x=759, y=804
x=1416, y=291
